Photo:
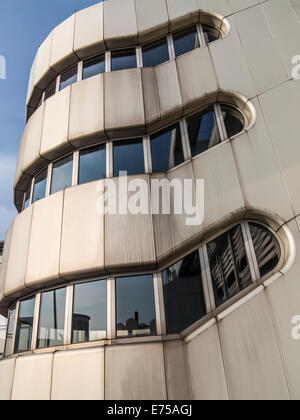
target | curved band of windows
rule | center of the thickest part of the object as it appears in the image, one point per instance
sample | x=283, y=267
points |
x=225, y=265
x=158, y=153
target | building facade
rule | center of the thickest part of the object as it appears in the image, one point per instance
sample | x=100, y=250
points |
x=146, y=305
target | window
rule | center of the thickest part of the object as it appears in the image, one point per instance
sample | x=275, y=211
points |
x=155, y=53
x=92, y=164
x=52, y=319
x=24, y=326
x=10, y=332
x=135, y=306
x=27, y=197
x=203, y=131
x=39, y=189
x=229, y=265
x=266, y=247
x=93, y=66
x=68, y=77
x=62, y=174
x=166, y=149
x=183, y=293
x=128, y=157
x=89, y=312
x=121, y=60
x=210, y=33
x=50, y=90
x=186, y=41
x=234, y=121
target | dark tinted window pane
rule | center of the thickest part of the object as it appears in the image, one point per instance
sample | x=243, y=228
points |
x=93, y=66
x=121, y=60
x=266, y=247
x=185, y=41
x=52, y=319
x=39, y=189
x=129, y=156
x=229, y=265
x=24, y=325
x=50, y=89
x=89, y=312
x=183, y=293
x=68, y=77
x=62, y=174
x=27, y=197
x=166, y=149
x=211, y=34
x=203, y=131
x=234, y=121
x=10, y=332
x=92, y=164
x=135, y=306
x=155, y=53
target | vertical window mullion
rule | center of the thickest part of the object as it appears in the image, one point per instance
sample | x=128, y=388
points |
x=49, y=178
x=111, y=309
x=68, y=315
x=220, y=122
x=31, y=190
x=147, y=155
x=171, y=48
x=108, y=61
x=139, y=57
x=75, y=168
x=201, y=35
x=159, y=304
x=15, y=328
x=79, y=71
x=37, y=306
x=57, y=84
x=205, y=282
x=207, y=276
x=250, y=251
x=187, y=154
x=109, y=160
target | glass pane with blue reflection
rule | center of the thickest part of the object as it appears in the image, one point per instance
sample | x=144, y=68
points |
x=166, y=149
x=128, y=157
x=52, y=319
x=24, y=325
x=39, y=189
x=186, y=41
x=203, y=131
x=156, y=53
x=68, y=77
x=62, y=174
x=93, y=66
x=27, y=197
x=89, y=312
x=183, y=293
x=135, y=306
x=92, y=164
x=121, y=60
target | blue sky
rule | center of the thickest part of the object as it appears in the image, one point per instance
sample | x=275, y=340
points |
x=24, y=24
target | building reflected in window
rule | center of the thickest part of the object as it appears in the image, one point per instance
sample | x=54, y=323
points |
x=24, y=326
x=166, y=149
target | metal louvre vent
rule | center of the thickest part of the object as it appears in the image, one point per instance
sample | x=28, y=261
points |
x=266, y=247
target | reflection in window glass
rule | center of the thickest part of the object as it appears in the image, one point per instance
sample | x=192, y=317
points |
x=92, y=164
x=203, y=131
x=166, y=149
x=89, y=312
x=155, y=53
x=27, y=197
x=52, y=319
x=210, y=33
x=135, y=306
x=10, y=332
x=229, y=265
x=129, y=157
x=24, y=325
x=62, y=174
x=93, y=66
x=267, y=248
x=183, y=293
x=121, y=60
x=68, y=77
x=39, y=189
x=186, y=41
x=50, y=89
x=234, y=121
